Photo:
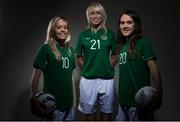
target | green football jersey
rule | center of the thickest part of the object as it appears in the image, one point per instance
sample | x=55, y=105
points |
x=96, y=48
x=57, y=74
x=133, y=70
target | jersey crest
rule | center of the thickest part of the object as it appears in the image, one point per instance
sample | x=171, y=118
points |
x=104, y=37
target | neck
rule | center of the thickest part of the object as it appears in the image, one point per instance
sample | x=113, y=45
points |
x=96, y=27
x=61, y=42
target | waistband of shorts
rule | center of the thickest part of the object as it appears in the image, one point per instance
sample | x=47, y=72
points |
x=91, y=78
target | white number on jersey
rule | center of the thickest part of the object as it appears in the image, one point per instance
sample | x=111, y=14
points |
x=65, y=63
x=122, y=58
x=94, y=43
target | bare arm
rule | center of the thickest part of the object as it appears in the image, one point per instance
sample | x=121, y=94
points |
x=154, y=71
x=79, y=61
x=36, y=106
x=156, y=82
x=74, y=92
x=35, y=81
x=114, y=59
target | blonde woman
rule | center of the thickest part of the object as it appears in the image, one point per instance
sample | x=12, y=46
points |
x=95, y=51
x=56, y=60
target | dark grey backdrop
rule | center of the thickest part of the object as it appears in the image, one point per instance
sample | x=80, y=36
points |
x=23, y=27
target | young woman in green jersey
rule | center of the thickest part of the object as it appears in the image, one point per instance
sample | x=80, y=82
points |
x=136, y=64
x=56, y=60
x=95, y=53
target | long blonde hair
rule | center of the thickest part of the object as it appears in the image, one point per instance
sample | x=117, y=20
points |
x=97, y=5
x=50, y=37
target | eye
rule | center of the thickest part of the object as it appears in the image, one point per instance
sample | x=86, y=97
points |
x=129, y=22
x=65, y=27
x=92, y=13
x=98, y=12
x=58, y=27
x=122, y=22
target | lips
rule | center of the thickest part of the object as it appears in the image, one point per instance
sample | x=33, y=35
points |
x=126, y=30
x=62, y=34
x=96, y=21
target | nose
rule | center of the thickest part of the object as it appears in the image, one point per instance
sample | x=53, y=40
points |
x=125, y=25
x=62, y=29
x=95, y=15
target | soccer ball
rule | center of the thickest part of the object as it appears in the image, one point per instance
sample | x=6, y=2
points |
x=47, y=99
x=145, y=95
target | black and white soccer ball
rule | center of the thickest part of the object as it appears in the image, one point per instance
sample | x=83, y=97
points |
x=145, y=95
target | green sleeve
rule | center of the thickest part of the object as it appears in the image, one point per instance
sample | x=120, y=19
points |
x=41, y=58
x=114, y=43
x=78, y=49
x=148, y=50
x=73, y=57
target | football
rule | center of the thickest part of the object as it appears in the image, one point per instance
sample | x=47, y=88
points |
x=145, y=95
x=47, y=99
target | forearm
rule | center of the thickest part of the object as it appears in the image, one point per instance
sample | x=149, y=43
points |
x=115, y=56
x=74, y=92
x=156, y=82
x=155, y=74
x=80, y=61
x=35, y=81
x=114, y=60
x=74, y=85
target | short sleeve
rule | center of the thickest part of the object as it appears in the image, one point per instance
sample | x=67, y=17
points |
x=78, y=49
x=41, y=58
x=148, y=51
x=114, y=43
x=73, y=58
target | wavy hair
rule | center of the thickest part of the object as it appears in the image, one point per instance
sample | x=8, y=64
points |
x=135, y=35
x=51, y=38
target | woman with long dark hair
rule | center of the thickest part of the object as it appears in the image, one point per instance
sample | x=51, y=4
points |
x=137, y=63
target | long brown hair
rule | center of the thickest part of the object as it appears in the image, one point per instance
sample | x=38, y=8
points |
x=136, y=34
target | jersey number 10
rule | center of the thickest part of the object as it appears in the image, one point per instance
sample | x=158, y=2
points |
x=65, y=63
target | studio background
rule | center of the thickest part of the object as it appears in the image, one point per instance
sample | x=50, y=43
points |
x=23, y=26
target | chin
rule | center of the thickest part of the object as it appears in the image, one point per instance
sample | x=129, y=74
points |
x=126, y=35
x=62, y=38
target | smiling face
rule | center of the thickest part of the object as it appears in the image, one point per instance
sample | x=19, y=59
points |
x=61, y=30
x=126, y=25
x=95, y=17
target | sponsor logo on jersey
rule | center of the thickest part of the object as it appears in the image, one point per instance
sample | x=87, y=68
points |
x=87, y=38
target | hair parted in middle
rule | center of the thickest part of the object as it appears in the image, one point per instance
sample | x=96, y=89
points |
x=136, y=34
x=91, y=7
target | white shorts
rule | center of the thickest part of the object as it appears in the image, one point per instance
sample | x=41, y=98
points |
x=93, y=91
x=63, y=115
x=127, y=114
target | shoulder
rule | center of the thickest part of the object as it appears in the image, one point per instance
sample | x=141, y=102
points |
x=71, y=48
x=144, y=40
x=84, y=32
x=45, y=48
x=110, y=32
